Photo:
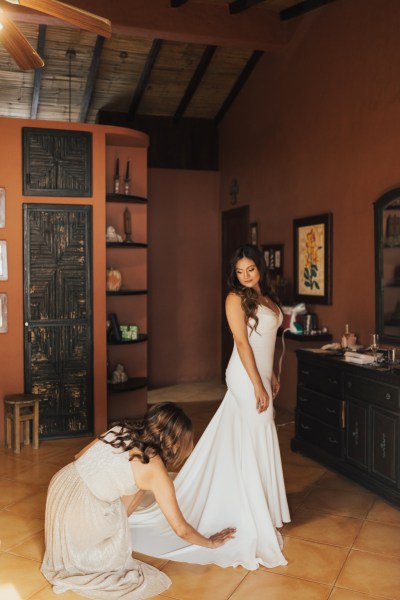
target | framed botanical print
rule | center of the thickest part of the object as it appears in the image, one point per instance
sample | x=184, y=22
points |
x=312, y=259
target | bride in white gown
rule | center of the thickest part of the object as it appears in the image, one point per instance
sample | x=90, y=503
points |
x=234, y=475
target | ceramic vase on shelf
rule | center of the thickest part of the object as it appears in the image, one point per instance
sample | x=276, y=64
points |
x=114, y=280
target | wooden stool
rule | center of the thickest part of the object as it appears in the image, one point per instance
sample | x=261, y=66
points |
x=22, y=408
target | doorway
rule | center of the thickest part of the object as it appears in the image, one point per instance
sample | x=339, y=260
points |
x=58, y=353
x=235, y=232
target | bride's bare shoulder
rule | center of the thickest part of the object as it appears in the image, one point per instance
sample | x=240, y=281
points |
x=233, y=299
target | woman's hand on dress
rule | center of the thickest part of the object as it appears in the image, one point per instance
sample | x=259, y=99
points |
x=262, y=399
x=220, y=538
x=275, y=385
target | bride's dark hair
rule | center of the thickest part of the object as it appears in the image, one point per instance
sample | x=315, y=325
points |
x=165, y=431
x=248, y=296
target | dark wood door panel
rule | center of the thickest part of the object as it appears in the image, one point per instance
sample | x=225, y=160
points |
x=58, y=316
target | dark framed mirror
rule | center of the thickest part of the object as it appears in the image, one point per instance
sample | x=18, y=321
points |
x=387, y=266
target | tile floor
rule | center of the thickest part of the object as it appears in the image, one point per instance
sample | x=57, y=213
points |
x=343, y=542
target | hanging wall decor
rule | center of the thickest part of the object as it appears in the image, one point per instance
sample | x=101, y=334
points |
x=2, y=207
x=3, y=313
x=3, y=261
x=56, y=162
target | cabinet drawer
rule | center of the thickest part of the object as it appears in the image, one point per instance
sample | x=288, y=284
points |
x=322, y=407
x=319, y=434
x=369, y=390
x=322, y=379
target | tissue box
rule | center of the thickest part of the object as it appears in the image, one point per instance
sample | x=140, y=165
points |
x=129, y=332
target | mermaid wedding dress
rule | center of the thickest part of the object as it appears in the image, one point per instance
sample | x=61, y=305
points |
x=233, y=478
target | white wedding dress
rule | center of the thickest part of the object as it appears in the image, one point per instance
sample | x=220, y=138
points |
x=233, y=478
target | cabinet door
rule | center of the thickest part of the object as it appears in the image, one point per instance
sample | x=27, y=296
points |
x=385, y=433
x=356, y=433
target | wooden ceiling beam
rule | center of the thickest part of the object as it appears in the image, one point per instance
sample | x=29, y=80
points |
x=238, y=6
x=241, y=80
x=37, y=80
x=195, y=81
x=144, y=78
x=301, y=8
x=91, y=79
x=206, y=23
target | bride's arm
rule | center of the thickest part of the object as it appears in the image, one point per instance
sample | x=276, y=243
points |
x=154, y=477
x=238, y=327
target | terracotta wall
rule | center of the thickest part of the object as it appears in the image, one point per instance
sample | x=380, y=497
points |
x=184, y=276
x=317, y=129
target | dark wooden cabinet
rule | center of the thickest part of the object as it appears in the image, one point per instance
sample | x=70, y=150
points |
x=348, y=417
x=356, y=433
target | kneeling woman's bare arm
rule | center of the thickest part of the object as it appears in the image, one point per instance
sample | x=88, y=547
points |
x=154, y=477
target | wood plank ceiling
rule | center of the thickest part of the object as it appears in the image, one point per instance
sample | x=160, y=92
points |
x=132, y=74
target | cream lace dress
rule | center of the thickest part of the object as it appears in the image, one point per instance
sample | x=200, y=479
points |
x=88, y=547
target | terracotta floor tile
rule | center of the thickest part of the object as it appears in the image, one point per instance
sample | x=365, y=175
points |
x=159, y=563
x=14, y=529
x=295, y=458
x=33, y=505
x=379, y=538
x=48, y=594
x=40, y=473
x=339, y=502
x=33, y=547
x=202, y=582
x=10, y=466
x=12, y=585
x=260, y=585
x=340, y=594
x=335, y=481
x=312, y=561
x=385, y=512
x=371, y=574
x=296, y=499
x=12, y=492
x=29, y=454
x=323, y=528
x=298, y=478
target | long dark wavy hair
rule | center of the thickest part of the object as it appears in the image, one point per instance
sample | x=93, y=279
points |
x=165, y=431
x=248, y=296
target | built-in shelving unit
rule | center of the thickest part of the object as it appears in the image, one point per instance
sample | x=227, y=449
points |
x=129, y=398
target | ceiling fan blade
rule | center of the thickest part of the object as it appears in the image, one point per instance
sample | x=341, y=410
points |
x=70, y=14
x=17, y=45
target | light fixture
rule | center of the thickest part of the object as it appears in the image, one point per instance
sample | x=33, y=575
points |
x=70, y=54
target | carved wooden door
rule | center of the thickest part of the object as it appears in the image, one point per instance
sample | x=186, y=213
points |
x=58, y=316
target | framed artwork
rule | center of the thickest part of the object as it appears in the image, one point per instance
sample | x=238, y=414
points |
x=3, y=261
x=254, y=234
x=312, y=259
x=273, y=255
x=2, y=207
x=3, y=313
